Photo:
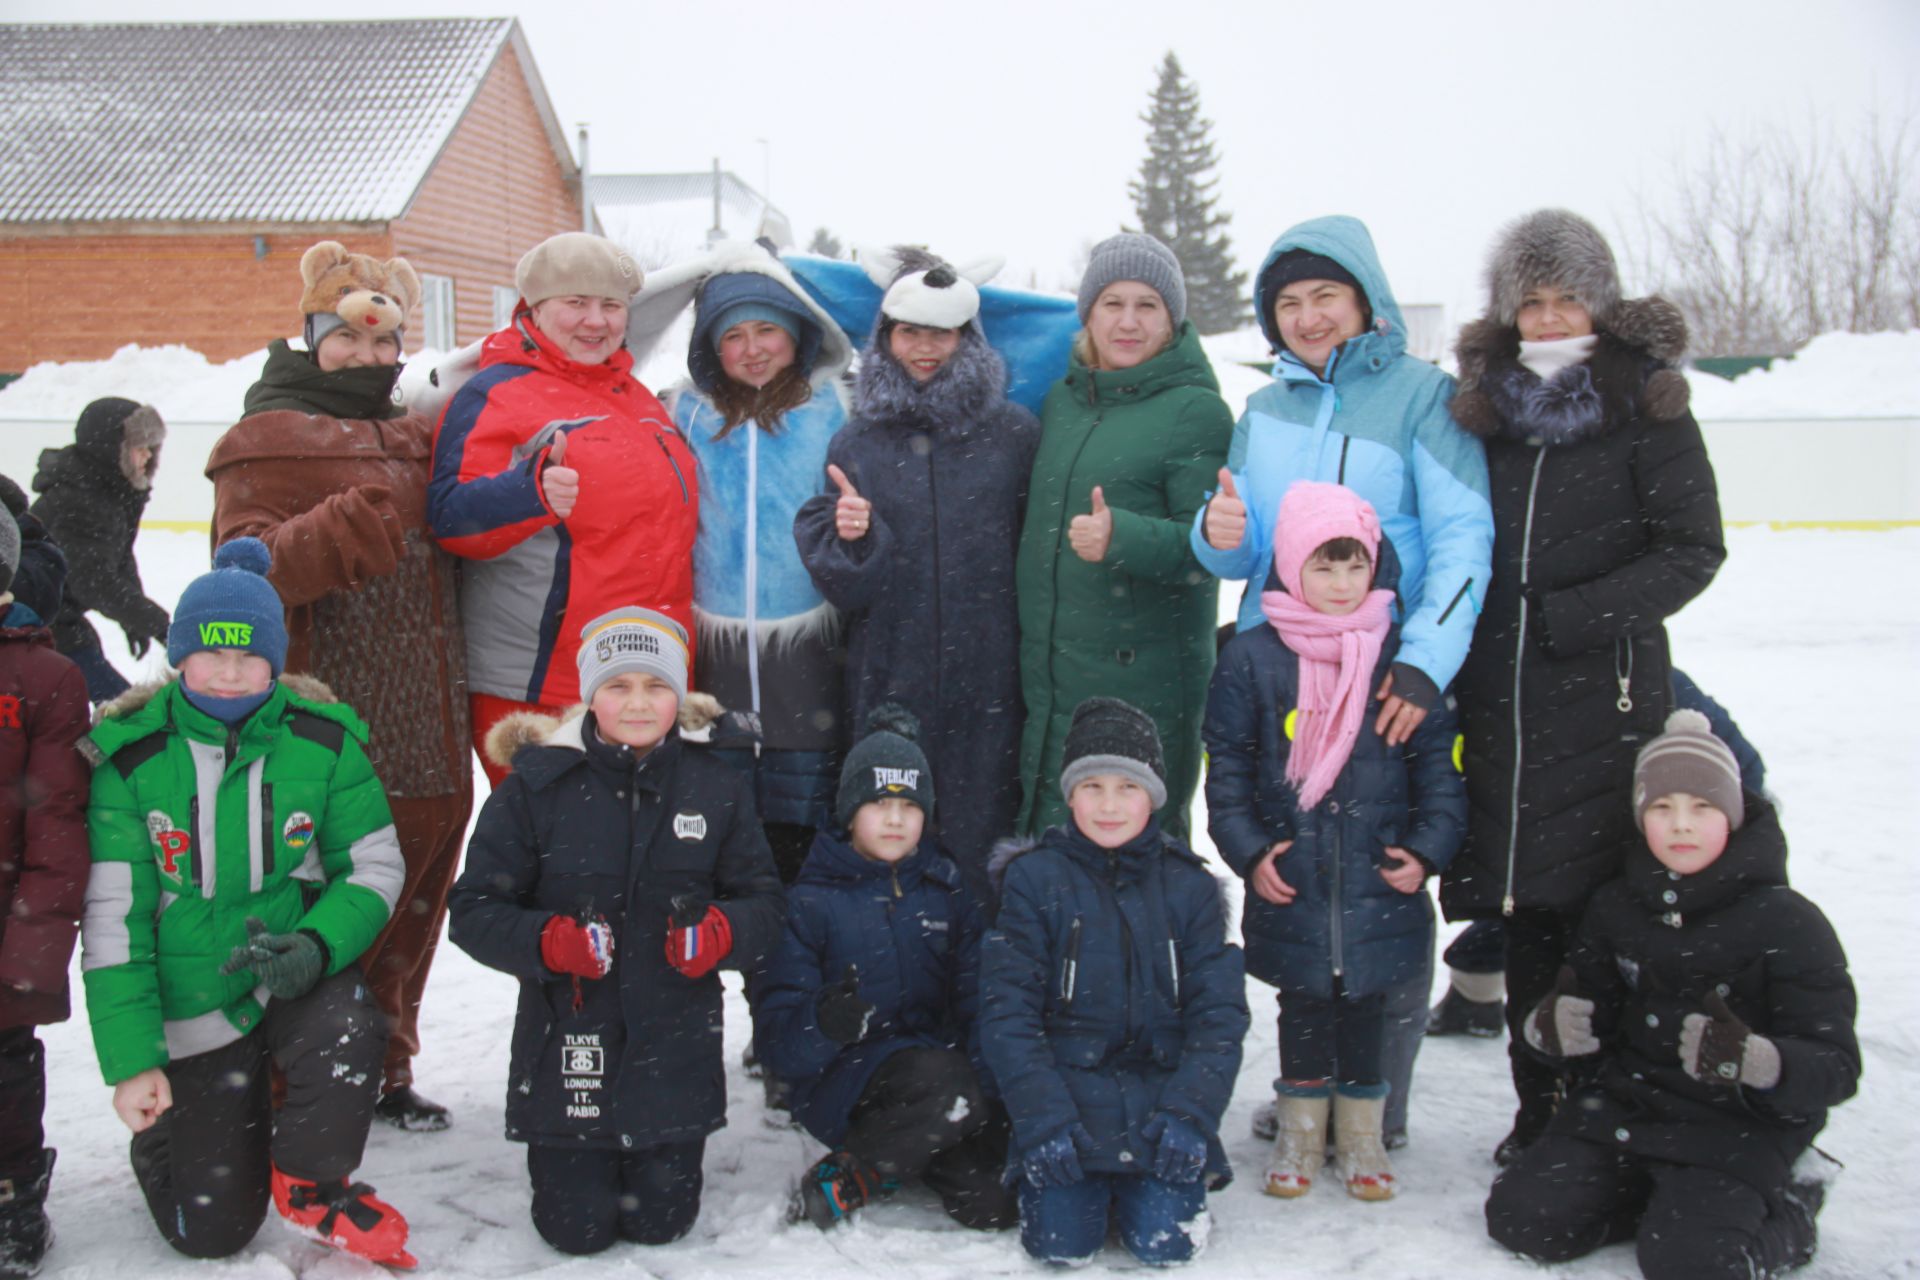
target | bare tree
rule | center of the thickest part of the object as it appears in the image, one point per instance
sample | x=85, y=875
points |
x=1767, y=240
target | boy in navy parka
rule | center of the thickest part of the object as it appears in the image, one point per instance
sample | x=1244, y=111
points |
x=1334, y=829
x=868, y=1007
x=1112, y=1009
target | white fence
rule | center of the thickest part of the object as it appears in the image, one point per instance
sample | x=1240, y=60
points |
x=1835, y=471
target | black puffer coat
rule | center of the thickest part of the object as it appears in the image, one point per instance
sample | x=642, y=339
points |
x=1649, y=950
x=1606, y=522
x=928, y=592
x=578, y=828
x=93, y=512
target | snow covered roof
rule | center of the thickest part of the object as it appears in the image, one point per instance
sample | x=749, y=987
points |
x=661, y=217
x=281, y=122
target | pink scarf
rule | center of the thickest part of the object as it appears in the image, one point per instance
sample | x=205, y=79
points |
x=1337, y=657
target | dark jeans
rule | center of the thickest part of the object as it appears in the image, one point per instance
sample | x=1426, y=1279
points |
x=584, y=1200
x=922, y=1115
x=23, y=1099
x=1338, y=1040
x=206, y=1164
x=1405, y=1032
x=1566, y=1197
x=1160, y=1222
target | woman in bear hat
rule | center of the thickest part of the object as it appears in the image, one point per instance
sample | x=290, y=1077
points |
x=92, y=493
x=332, y=475
x=561, y=481
x=1606, y=522
x=1111, y=599
x=915, y=542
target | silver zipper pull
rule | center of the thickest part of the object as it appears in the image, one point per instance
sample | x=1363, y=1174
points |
x=1625, y=704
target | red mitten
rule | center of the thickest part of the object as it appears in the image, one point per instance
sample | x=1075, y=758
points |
x=697, y=948
x=581, y=948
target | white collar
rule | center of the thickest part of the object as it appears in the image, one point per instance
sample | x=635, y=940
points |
x=1547, y=359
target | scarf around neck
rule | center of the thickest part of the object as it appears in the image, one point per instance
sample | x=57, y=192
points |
x=1547, y=359
x=1337, y=656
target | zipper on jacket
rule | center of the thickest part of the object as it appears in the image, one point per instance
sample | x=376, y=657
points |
x=1623, y=675
x=933, y=500
x=1458, y=596
x=266, y=829
x=753, y=573
x=675, y=464
x=894, y=871
x=1070, y=966
x=1173, y=966
x=233, y=744
x=193, y=842
x=1335, y=932
x=1519, y=661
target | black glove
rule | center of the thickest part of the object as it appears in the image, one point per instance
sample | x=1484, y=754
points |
x=842, y=1014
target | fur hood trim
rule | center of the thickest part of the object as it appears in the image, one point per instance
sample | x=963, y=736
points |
x=1651, y=326
x=971, y=385
x=141, y=694
x=698, y=712
x=1001, y=856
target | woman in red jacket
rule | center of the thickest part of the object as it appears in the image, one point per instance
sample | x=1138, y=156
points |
x=562, y=481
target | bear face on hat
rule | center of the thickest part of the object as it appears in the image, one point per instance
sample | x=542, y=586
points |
x=368, y=295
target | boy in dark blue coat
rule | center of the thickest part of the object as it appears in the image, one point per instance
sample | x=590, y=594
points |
x=612, y=872
x=1334, y=829
x=868, y=1006
x=1112, y=1009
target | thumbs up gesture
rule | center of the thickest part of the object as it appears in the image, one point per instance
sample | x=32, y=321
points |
x=1561, y=1025
x=1226, y=515
x=1092, y=533
x=560, y=484
x=852, y=514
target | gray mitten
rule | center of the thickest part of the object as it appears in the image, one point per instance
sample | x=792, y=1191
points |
x=1561, y=1025
x=1717, y=1046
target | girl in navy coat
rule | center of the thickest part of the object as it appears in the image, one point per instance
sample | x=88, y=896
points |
x=612, y=872
x=1334, y=829
x=868, y=1007
x=1112, y=1009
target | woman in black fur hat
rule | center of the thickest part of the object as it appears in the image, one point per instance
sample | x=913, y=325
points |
x=915, y=544
x=1606, y=522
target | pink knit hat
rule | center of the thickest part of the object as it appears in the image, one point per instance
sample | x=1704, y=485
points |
x=1312, y=514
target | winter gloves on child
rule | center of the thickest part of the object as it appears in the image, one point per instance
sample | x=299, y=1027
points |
x=581, y=948
x=1561, y=1025
x=1180, y=1150
x=1717, y=1046
x=1056, y=1162
x=841, y=1013
x=287, y=964
x=698, y=937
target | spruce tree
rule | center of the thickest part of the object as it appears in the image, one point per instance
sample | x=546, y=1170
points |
x=826, y=244
x=1174, y=200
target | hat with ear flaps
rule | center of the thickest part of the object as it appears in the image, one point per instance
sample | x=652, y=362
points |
x=346, y=290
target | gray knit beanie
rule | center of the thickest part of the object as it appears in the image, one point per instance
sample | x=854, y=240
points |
x=1111, y=736
x=632, y=639
x=1132, y=256
x=1687, y=757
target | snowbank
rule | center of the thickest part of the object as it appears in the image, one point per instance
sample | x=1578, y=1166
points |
x=1837, y=375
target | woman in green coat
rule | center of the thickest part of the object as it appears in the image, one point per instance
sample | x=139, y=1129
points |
x=1112, y=601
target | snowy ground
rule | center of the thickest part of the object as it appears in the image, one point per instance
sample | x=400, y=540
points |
x=1835, y=709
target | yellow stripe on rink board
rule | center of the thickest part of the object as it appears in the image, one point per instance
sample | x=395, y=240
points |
x=1847, y=526
x=178, y=526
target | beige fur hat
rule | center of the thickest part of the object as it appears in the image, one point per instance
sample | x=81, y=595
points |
x=575, y=263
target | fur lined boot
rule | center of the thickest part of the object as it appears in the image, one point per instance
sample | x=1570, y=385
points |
x=1300, y=1145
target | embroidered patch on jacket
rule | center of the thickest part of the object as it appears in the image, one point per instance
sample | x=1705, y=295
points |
x=298, y=831
x=691, y=827
x=171, y=843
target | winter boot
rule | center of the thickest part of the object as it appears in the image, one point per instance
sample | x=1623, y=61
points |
x=1266, y=1121
x=1358, y=1154
x=1793, y=1217
x=25, y=1233
x=1299, y=1145
x=404, y=1109
x=836, y=1186
x=1456, y=1015
x=346, y=1215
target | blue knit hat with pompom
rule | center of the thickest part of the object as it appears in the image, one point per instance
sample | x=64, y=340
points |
x=234, y=607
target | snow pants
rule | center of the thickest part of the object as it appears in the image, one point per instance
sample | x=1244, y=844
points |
x=432, y=833
x=922, y=1115
x=1566, y=1197
x=1537, y=945
x=1160, y=1223
x=585, y=1200
x=23, y=1099
x=206, y=1164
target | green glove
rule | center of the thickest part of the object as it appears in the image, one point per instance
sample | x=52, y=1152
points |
x=288, y=963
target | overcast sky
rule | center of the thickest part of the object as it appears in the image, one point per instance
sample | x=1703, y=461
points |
x=1011, y=126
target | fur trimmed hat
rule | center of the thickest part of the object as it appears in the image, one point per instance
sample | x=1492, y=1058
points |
x=1552, y=247
x=1111, y=736
x=1133, y=256
x=887, y=762
x=924, y=289
x=352, y=290
x=1688, y=757
x=575, y=263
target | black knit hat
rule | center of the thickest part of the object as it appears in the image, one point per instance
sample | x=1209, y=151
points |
x=9, y=551
x=1111, y=736
x=887, y=762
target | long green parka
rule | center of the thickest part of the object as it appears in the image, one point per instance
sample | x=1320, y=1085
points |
x=1139, y=625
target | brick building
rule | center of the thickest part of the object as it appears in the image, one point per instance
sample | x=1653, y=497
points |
x=158, y=183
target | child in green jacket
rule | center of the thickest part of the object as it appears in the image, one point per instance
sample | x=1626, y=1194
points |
x=243, y=858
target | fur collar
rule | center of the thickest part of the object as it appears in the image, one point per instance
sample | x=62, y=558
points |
x=1634, y=369
x=966, y=389
x=522, y=729
x=140, y=695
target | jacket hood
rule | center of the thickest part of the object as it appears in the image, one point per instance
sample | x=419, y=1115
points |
x=522, y=729
x=138, y=696
x=1347, y=241
x=834, y=860
x=291, y=380
x=1755, y=857
x=1183, y=364
x=134, y=714
x=671, y=290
